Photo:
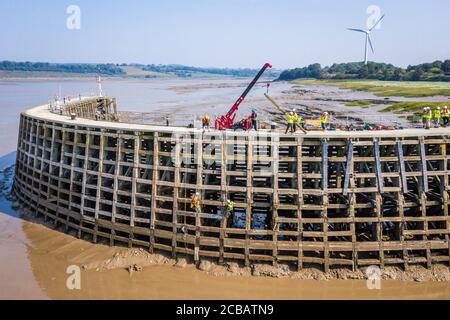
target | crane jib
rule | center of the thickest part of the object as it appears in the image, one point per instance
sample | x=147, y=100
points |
x=226, y=121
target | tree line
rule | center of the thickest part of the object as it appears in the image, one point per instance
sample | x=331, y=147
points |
x=186, y=71
x=435, y=71
x=106, y=69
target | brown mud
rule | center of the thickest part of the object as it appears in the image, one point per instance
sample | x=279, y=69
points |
x=123, y=273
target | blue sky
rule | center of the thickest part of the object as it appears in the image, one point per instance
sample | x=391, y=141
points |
x=223, y=33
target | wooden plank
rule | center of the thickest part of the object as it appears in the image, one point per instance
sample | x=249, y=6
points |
x=348, y=169
x=223, y=194
x=154, y=190
x=423, y=162
x=249, y=199
x=378, y=170
x=177, y=153
x=401, y=162
x=325, y=165
x=300, y=202
x=275, y=142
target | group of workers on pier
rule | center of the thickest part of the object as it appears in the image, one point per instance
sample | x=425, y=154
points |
x=293, y=121
x=436, y=117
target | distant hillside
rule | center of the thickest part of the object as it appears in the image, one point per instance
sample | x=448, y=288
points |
x=106, y=69
x=436, y=71
x=187, y=72
x=130, y=70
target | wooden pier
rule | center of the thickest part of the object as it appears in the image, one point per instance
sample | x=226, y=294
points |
x=327, y=199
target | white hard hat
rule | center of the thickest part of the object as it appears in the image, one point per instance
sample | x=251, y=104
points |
x=197, y=193
x=439, y=108
x=228, y=201
x=325, y=112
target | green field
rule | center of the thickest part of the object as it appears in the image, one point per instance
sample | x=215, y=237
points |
x=386, y=88
x=360, y=103
x=411, y=107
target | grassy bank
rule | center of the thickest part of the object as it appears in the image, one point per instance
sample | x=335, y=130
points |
x=411, y=107
x=360, y=103
x=387, y=88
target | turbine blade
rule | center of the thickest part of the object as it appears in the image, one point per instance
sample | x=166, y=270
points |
x=376, y=24
x=370, y=42
x=357, y=30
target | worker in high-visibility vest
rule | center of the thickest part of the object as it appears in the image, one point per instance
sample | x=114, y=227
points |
x=324, y=121
x=445, y=116
x=290, y=118
x=295, y=119
x=437, y=117
x=299, y=121
x=206, y=122
x=230, y=208
x=196, y=203
x=426, y=117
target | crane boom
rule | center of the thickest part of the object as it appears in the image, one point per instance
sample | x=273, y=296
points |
x=227, y=121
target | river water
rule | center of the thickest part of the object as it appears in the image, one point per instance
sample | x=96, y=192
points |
x=34, y=258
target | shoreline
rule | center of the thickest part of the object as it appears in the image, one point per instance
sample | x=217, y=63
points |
x=135, y=259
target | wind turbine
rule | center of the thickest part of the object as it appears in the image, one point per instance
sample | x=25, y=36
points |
x=368, y=40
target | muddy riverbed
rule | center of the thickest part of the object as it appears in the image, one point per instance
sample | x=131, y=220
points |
x=35, y=260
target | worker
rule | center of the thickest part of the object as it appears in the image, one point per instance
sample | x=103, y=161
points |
x=196, y=203
x=230, y=208
x=324, y=121
x=206, y=122
x=437, y=117
x=295, y=119
x=290, y=122
x=426, y=118
x=254, y=120
x=299, y=121
x=445, y=116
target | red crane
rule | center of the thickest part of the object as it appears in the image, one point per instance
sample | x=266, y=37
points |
x=227, y=121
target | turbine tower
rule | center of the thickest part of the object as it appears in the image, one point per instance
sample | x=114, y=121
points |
x=368, y=40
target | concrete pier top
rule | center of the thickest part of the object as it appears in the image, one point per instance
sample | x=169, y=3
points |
x=43, y=113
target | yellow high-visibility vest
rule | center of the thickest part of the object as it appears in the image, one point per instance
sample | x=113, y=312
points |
x=437, y=114
x=428, y=115
x=290, y=119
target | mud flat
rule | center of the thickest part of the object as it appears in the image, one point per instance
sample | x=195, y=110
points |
x=41, y=255
x=106, y=274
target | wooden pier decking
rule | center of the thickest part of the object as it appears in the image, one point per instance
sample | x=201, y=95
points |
x=327, y=198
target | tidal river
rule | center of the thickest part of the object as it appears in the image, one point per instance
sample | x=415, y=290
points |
x=34, y=258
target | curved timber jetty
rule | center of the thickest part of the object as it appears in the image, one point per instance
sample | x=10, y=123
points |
x=323, y=199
